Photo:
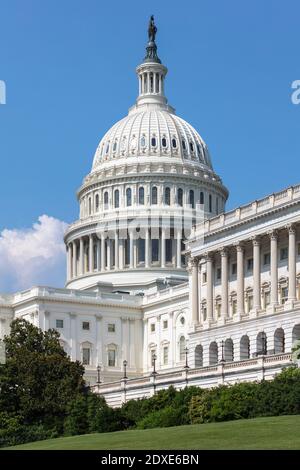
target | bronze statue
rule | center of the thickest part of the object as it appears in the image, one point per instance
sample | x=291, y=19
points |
x=152, y=30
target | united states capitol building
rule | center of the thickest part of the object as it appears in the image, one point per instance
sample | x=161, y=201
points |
x=164, y=287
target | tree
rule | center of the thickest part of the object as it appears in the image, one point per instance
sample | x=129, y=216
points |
x=39, y=379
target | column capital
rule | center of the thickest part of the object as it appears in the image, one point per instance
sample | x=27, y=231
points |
x=208, y=256
x=255, y=240
x=273, y=234
x=239, y=246
x=291, y=228
x=73, y=315
x=223, y=251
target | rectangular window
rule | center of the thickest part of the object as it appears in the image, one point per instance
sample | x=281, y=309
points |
x=111, y=328
x=59, y=323
x=204, y=278
x=267, y=299
x=218, y=274
x=85, y=325
x=155, y=250
x=234, y=306
x=152, y=357
x=284, y=294
x=284, y=253
x=165, y=324
x=219, y=309
x=166, y=355
x=111, y=358
x=250, y=264
x=152, y=327
x=267, y=259
x=86, y=356
x=233, y=269
x=250, y=303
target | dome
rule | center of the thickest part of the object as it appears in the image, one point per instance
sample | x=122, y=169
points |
x=152, y=134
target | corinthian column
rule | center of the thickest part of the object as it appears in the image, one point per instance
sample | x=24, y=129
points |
x=209, y=280
x=147, y=248
x=274, y=268
x=194, y=293
x=163, y=248
x=74, y=251
x=256, y=274
x=292, y=262
x=224, y=282
x=116, y=250
x=240, y=279
x=178, y=242
x=81, y=256
x=91, y=254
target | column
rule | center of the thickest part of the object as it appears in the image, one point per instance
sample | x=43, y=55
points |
x=116, y=250
x=69, y=261
x=102, y=252
x=121, y=253
x=108, y=254
x=147, y=244
x=74, y=259
x=46, y=325
x=209, y=287
x=256, y=274
x=194, y=303
x=292, y=262
x=131, y=250
x=224, y=282
x=98, y=255
x=178, y=241
x=81, y=256
x=163, y=248
x=240, y=280
x=91, y=254
x=274, y=268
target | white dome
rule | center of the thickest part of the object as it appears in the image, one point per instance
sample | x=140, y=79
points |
x=155, y=133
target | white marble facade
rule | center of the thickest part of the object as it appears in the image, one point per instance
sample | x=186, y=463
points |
x=220, y=291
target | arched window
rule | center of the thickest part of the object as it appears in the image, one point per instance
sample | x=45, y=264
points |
x=183, y=145
x=244, y=348
x=199, y=356
x=164, y=142
x=213, y=353
x=191, y=199
x=228, y=353
x=167, y=196
x=86, y=349
x=105, y=200
x=97, y=202
x=141, y=196
x=107, y=148
x=128, y=197
x=210, y=203
x=115, y=146
x=279, y=342
x=117, y=198
x=174, y=143
x=295, y=334
x=90, y=206
x=153, y=141
x=154, y=195
x=143, y=141
x=182, y=343
x=261, y=343
x=191, y=146
x=201, y=197
x=111, y=355
x=180, y=197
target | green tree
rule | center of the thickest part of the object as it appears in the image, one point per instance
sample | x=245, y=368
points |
x=38, y=380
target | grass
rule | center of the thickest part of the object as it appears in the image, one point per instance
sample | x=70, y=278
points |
x=281, y=432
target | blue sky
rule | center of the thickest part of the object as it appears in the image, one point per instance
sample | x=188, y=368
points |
x=69, y=68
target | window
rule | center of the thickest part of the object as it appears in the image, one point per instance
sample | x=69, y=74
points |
x=59, y=323
x=117, y=198
x=128, y=197
x=218, y=308
x=169, y=253
x=85, y=325
x=90, y=206
x=267, y=259
x=249, y=302
x=284, y=294
x=155, y=249
x=180, y=197
x=201, y=197
x=181, y=348
x=174, y=143
x=106, y=200
x=153, y=141
x=111, y=353
x=234, y=306
x=154, y=195
x=182, y=320
x=218, y=273
x=250, y=264
x=164, y=142
x=204, y=278
x=165, y=324
x=217, y=205
x=152, y=327
x=115, y=146
x=152, y=357
x=97, y=202
x=107, y=149
x=141, y=250
x=267, y=299
x=143, y=141
x=141, y=196
x=183, y=145
x=284, y=252
x=86, y=356
x=191, y=199
x=233, y=269
x=191, y=146
x=210, y=203
x=111, y=328
x=167, y=196
x=165, y=355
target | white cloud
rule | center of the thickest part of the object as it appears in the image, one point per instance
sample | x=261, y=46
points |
x=34, y=256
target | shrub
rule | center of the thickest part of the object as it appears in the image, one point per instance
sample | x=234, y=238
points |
x=166, y=417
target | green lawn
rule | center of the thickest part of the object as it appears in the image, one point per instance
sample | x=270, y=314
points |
x=281, y=432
